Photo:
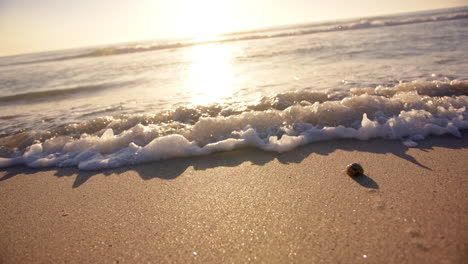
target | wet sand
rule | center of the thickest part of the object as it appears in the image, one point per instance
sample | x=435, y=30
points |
x=247, y=206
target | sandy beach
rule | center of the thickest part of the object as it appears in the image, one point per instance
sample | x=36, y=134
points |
x=247, y=206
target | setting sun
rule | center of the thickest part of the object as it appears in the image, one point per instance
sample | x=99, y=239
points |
x=46, y=25
x=202, y=19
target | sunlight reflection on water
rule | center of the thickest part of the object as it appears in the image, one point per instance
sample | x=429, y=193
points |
x=210, y=77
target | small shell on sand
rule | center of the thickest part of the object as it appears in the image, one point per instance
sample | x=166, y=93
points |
x=354, y=169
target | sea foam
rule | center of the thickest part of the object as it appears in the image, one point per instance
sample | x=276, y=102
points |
x=408, y=112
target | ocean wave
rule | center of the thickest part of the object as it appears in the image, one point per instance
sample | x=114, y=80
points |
x=352, y=25
x=288, y=31
x=408, y=112
x=43, y=95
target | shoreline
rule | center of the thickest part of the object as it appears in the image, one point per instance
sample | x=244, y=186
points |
x=247, y=206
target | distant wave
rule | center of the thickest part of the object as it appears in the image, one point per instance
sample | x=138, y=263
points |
x=353, y=25
x=278, y=32
x=368, y=22
x=29, y=96
x=407, y=111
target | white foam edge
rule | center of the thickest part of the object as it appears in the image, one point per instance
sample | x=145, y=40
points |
x=403, y=126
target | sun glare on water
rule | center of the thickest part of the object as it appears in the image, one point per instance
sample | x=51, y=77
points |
x=210, y=76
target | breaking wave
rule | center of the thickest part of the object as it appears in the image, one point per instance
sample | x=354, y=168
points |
x=408, y=112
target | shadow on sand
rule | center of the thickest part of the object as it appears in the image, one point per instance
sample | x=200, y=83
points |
x=366, y=181
x=171, y=169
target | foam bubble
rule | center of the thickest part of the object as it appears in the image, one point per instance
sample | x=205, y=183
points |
x=408, y=112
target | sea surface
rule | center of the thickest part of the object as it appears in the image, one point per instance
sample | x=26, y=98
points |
x=402, y=77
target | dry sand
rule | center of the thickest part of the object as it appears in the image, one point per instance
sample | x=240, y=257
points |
x=247, y=206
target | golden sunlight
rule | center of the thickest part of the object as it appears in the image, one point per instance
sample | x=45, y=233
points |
x=204, y=18
x=210, y=76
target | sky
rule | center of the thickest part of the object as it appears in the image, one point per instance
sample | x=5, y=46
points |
x=39, y=25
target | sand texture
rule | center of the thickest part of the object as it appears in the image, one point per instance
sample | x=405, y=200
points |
x=247, y=206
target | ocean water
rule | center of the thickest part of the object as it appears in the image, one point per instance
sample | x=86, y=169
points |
x=401, y=77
